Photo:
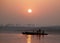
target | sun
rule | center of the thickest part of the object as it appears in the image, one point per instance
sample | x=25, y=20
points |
x=29, y=10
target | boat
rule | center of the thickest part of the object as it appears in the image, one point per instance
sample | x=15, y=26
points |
x=35, y=33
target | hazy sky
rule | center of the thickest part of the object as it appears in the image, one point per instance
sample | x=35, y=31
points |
x=44, y=12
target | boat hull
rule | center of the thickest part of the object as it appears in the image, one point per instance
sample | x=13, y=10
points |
x=34, y=33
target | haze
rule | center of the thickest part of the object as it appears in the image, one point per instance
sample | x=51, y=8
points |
x=44, y=12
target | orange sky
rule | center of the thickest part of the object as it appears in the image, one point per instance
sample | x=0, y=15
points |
x=45, y=12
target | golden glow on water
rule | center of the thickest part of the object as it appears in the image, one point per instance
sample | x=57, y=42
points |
x=28, y=38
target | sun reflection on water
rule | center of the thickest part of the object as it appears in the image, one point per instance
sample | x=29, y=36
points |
x=28, y=38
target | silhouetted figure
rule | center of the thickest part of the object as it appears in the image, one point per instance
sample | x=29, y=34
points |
x=43, y=32
x=33, y=30
x=39, y=30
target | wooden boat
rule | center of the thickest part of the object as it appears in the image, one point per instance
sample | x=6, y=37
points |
x=34, y=33
x=38, y=32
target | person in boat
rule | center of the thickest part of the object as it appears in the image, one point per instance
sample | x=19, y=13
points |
x=33, y=30
x=39, y=31
x=43, y=32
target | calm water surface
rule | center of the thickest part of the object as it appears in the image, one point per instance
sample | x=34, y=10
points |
x=20, y=38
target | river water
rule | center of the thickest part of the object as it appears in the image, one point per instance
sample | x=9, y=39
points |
x=20, y=38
